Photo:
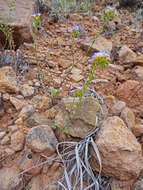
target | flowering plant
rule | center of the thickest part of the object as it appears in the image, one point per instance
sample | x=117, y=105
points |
x=36, y=24
x=110, y=13
x=74, y=31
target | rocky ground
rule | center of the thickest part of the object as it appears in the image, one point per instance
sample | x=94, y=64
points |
x=28, y=111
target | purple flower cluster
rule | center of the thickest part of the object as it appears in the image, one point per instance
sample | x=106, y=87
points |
x=73, y=29
x=98, y=55
x=37, y=15
x=79, y=88
x=111, y=9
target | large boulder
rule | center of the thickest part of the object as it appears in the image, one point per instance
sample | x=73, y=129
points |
x=121, y=154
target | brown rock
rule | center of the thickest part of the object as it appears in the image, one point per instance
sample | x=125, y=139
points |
x=138, y=60
x=28, y=162
x=121, y=154
x=8, y=81
x=27, y=91
x=128, y=117
x=118, y=107
x=9, y=179
x=126, y=54
x=101, y=44
x=26, y=111
x=17, y=141
x=138, y=130
x=131, y=92
x=18, y=104
x=21, y=20
x=138, y=72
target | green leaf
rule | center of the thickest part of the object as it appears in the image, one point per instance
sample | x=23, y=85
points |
x=66, y=117
x=65, y=131
x=57, y=125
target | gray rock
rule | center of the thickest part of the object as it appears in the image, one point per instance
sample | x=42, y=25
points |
x=27, y=91
x=42, y=138
x=26, y=111
x=37, y=119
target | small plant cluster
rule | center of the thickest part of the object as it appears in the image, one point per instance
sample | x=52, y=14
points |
x=98, y=59
x=5, y=28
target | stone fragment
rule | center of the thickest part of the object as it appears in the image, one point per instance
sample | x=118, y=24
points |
x=138, y=71
x=37, y=119
x=138, y=60
x=118, y=107
x=138, y=129
x=26, y=111
x=121, y=154
x=76, y=77
x=128, y=117
x=5, y=140
x=17, y=103
x=27, y=91
x=42, y=138
x=42, y=102
x=6, y=97
x=21, y=20
x=100, y=45
x=2, y=134
x=9, y=179
x=17, y=141
x=8, y=81
x=126, y=54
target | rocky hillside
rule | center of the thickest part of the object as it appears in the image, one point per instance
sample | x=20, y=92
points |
x=46, y=141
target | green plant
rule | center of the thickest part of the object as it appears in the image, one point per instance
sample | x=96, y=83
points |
x=55, y=93
x=6, y=29
x=63, y=125
x=36, y=24
x=98, y=59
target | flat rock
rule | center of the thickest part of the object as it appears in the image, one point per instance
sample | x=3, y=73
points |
x=8, y=81
x=84, y=119
x=100, y=45
x=21, y=20
x=42, y=138
x=37, y=119
x=121, y=154
x=126, y=54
